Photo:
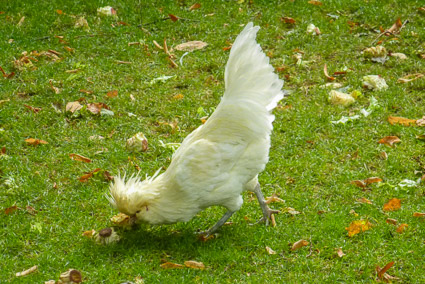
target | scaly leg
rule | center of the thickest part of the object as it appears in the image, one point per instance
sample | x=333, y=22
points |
x=267, y=212
x=217, y=225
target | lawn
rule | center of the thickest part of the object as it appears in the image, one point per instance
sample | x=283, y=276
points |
x=58, y=52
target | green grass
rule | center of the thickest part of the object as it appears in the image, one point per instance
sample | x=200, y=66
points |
x=311, y=161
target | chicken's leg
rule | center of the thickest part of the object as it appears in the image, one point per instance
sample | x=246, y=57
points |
x=217, y=225
x=267, y=212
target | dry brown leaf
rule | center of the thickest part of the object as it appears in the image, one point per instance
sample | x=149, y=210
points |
x=392, y=205
x=410, y=78
x=291, y=211
x=389, y=140
x=28, y=271
x=288, y=20
x=339, y=252
x=31, y=210
x=79, y=158
x=358, y=226
x=274, y=198
x=372, y=180
x=33, y=109
x=55, y=89
x=71, y=276
x=10, y=75
x=3, y=151
x=35, y=142
x=191, y=45
x=401, y=228
x=73, y=106
x=358, y=183
x=88, y=175
x=112, y=94
x=10, y=209
x=86, y=91
x=270, y=251
x=173, y=18
x=418, y=214
x=401, y=120
x=89, y=234
x=73, y=71
x=382, y=271
x=170, y=265
x=364, y=200
x=194, y=264
x=195, y=7
x=391, y=221
x=299, y=244
x=395, y=28
x=325, y=71
x=96, y=108
x=315, y=2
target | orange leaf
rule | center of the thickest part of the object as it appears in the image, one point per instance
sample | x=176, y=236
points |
x=418, y=214
x=372, y=180
x=391, y=221
x=358, y=226
x=10, y=209
x=325, y=70
x=34, y=109
x=358, y=183
x=364, y=200
x=178, y=97
x=88, y=175
x=389, y=140
x=315, y=2
x=195, y=6
x=288, y=20
x=395, y=28
x=60, y=12
x=194, y=264
x=401, y=228
x=89, y=234
x=299, y=244
x=112, y=94
x=35, y=142
x=385, y=269
x=170, y=265
x=3, y=151
x=79, y=158
x=401, y=120
x=173, y=17
x=7, y=75
x=274, y=198
x=392, y=205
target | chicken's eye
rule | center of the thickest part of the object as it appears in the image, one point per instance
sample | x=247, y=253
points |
x=137, y=212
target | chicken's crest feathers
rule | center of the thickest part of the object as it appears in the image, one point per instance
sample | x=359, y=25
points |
x=249, y=74
x=128, y=196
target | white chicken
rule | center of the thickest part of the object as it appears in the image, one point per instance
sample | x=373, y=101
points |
x=220, y=159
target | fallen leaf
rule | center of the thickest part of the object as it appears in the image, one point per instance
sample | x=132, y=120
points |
x=137, y=143
x=391, y=221
x=10, y=209
x=10, y=75
x=339, y=252
x=418, y=214
x=410, y=78
x=55, y=89
x=401, y=120
x=194, y=264
x=372, y=180
x=73, y=71
x=315, y=2
x=71, y=276
x=288, y=20
x=31, y=210
x=33, y=109
x=195, y=7
x=291, y=211
x=312, y=29
x=112, y=94
x=73, y=106
x=364, y=200
x=86, y=91
x=191, y=45
x=325, y=71
x=88, y=175
x=270, y=251
x=107, y=11
x=382, y=271
x=299, y=244
x=339, y=98
x=79, y=158
x=358, y=183
x=21, y=21
x=89, y=234
x=3, y=151
x=178, y=97
x=35, y=142
x=96, y=108
x=173, y=17
x=121, y=219
x=392, y=205
x=26, y=272
x=274, y=198
x=60, y=12
x=358, y=226
x=170, y=265
x=395, y=28
x=205, y=238
x=401, y=228
x=389, y=140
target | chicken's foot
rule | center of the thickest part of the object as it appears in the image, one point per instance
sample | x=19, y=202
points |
x=267, y=212
x=217, y=225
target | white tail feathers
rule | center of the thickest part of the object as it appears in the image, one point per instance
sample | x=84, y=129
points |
x=249, y=74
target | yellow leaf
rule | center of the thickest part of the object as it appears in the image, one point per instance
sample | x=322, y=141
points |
x=417, y=214
x=392, y=205
x=401, y=228
x=194, y=264
x=170, y=265
x=358, y=226
x=401, y=120
x=35, y=142
x=89, y=234
x=270, y=251
x=299, y=244
x=339, y=252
